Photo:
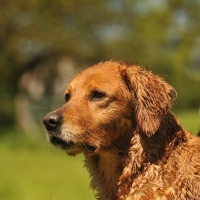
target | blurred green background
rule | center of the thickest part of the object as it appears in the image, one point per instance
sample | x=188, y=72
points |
x=44, y=43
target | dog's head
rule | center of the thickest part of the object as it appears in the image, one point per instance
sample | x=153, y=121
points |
x=106, y=102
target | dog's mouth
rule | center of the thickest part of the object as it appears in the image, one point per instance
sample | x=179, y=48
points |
x=61, y=143
x=68, y=145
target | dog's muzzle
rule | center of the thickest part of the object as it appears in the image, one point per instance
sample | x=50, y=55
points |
x=53, y=122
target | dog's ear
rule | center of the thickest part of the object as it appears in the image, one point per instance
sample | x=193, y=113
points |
x=151, y=97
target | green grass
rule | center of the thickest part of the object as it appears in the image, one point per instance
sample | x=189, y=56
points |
x=36, y=170
x=30, y=172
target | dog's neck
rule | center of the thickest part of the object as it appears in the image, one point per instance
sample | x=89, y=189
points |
x=104, y=170
x=111, y=169
x=107, y=166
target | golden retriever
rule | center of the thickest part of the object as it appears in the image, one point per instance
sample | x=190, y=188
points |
x=118, y=115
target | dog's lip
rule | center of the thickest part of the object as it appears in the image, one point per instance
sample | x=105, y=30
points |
x=61, y=143
x=67, y=145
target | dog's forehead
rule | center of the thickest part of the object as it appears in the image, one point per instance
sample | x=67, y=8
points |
x=97, y=76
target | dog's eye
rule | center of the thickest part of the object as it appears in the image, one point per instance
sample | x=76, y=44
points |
x=67, y=97
x=97, y=95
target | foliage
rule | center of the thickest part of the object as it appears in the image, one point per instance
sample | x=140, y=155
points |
x=163, y=34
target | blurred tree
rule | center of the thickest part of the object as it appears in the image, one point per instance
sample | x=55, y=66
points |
x=163, y=34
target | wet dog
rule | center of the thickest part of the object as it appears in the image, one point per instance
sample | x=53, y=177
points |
x=118, y=115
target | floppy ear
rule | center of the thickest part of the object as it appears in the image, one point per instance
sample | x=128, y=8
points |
x=151, y=95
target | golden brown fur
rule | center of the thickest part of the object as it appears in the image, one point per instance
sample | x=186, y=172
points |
x=118, y=116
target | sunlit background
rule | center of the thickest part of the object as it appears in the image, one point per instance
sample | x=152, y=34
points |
x=44, y=43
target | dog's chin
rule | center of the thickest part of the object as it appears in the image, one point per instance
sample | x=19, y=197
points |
x=71, y=147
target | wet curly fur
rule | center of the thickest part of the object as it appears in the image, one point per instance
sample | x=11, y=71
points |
x=118, y=115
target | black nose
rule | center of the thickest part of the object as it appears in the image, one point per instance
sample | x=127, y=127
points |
x=52, y=121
